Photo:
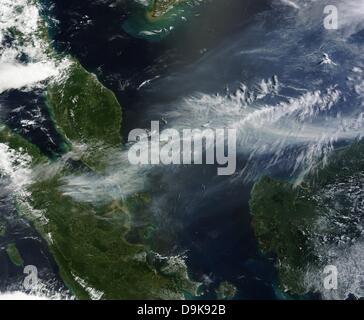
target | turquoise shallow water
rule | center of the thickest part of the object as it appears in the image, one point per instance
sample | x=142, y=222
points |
x=141, y=24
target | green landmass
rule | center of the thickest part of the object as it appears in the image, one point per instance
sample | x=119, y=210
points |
x=14, y=255
x=158, y=18
x=161, y=7
x=20, y=144
x=226, y=291
x=83, y=109
x=281, y=216
x=88, y=241
x=289, y=221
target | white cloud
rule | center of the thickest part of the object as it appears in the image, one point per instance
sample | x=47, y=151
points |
x=18, y=295
x=17, y=76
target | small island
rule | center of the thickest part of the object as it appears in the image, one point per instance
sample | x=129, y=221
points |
x=161, y=7
x=14, y=255
x=154, y=20
x=225, y=291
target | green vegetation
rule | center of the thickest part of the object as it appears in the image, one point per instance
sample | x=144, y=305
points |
x=88, y=240
x=226, y=291
x=19, y=144
x=161, y=7
x=285, y=218
x=281, y=217
x=14, y=255
x=84, y=110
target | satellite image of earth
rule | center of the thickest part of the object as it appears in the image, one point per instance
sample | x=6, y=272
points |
x=78, y=220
